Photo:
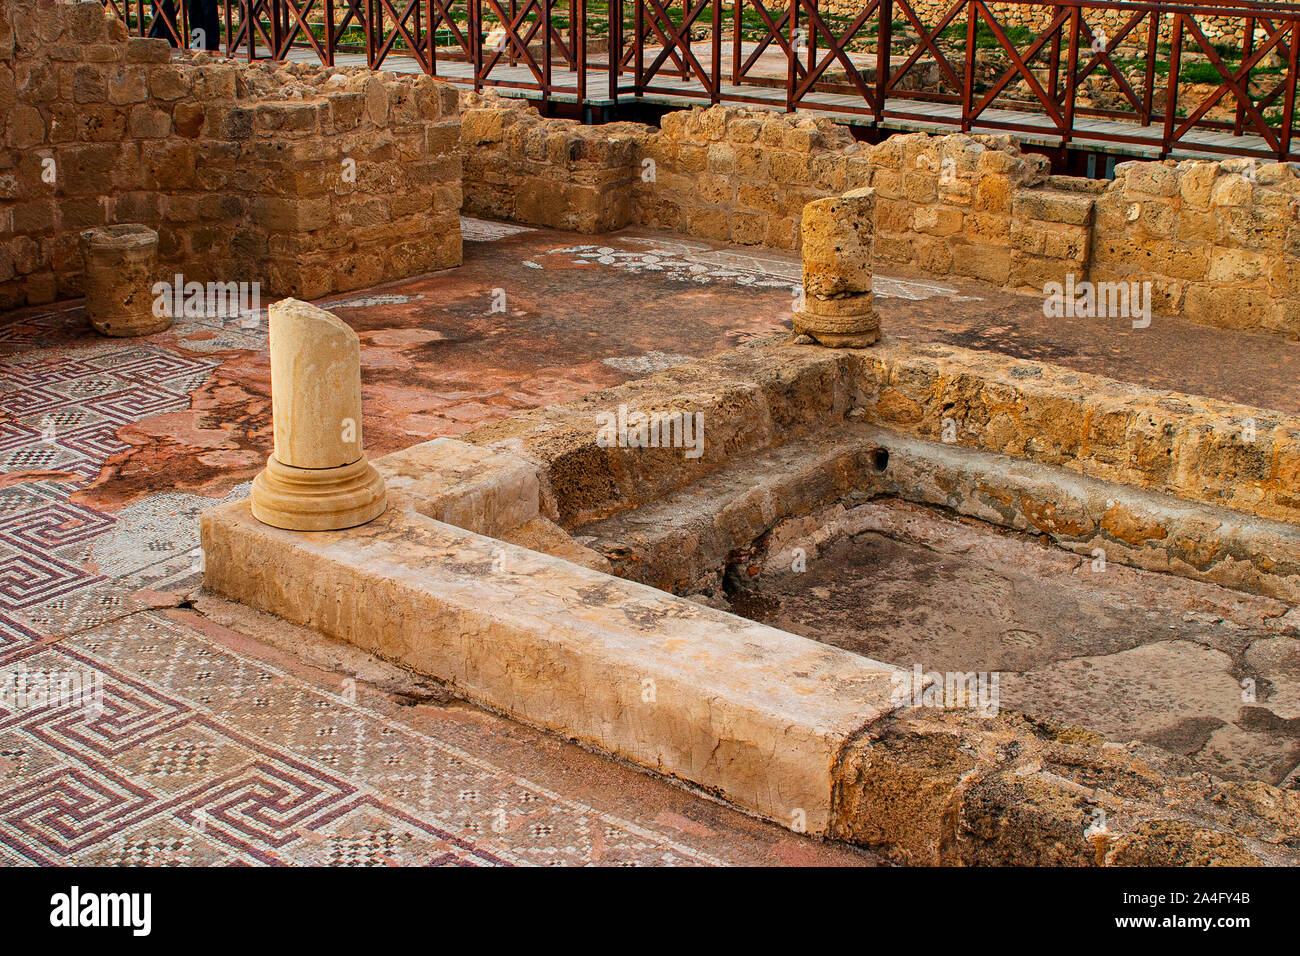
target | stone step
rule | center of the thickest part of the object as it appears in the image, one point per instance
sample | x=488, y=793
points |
x=1138, y=527
x=683, y=542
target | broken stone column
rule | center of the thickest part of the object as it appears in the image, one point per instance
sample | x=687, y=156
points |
x=121, y=266
x=318, y=478
x=838, y=248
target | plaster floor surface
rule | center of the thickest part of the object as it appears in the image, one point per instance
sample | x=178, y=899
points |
x=215, y=744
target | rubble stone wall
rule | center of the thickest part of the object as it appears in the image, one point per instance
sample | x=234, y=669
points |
x=1192, y=448
x=951, y=205
x=243, y=169
x=1218, y=241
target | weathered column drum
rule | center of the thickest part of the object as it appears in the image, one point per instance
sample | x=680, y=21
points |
x=121, y=269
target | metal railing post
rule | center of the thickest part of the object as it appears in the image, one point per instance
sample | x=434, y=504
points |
x=791, y=56
x=1149, y=80
x=580, y=54
x=968, y=90
x=544, y=11
x=639, y=40
x=1288, y=107
x=614, y=45
x=476, y=42
x=1071, y=77
x=1171, y=90
x=884, y=50
x=737, y=42
x=715, y=72
x=1247, y=48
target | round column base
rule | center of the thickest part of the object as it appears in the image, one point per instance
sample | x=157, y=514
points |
x=120, y=327
x=318, y=499
x=845, y=323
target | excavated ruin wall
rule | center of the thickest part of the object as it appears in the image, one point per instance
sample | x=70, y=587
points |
x=1218, y=241
x=546, y=172
x=241, y=168
x=954, y=789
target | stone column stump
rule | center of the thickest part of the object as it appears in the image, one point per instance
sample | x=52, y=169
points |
x=318, y=478
x=838, y=237
x=121, y=268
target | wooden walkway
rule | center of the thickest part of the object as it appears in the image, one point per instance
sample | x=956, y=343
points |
x=1098, y=135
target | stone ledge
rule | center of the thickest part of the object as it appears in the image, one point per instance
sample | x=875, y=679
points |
x=683, y=542
x=1133, y=526
x=1187, y=446
x=487, y=492
x=751, y=398
x=752, y=713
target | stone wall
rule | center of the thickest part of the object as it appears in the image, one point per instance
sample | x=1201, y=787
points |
x=949, y=205
x=242, y=169
x=931, y=787
x=744, y=176
x=546, y=172
x=1193, y=448
x=1217, y=240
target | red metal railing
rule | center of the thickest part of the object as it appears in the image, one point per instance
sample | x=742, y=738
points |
x=1206, y=76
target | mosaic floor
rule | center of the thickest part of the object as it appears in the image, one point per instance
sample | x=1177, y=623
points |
x=204, y=746
x=195, y=749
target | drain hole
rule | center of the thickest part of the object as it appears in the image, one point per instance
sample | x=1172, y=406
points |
x=880, y=459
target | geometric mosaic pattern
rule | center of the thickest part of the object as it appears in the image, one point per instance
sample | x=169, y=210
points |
x=60, y=409
x=202, y=755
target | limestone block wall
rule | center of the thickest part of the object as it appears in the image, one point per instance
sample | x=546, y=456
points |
x=974, y=207
x=240, y=168
x=546, y=172
x=356, y=175
x=744, y=176
x=1219, y=241
x=1195, y=448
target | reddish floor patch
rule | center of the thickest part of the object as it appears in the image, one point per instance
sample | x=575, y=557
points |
x=522, y=324
x=540, y=317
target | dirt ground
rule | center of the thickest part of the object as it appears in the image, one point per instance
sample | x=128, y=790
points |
x=1202, y=671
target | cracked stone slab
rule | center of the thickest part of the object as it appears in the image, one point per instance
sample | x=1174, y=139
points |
x=1143, y=693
